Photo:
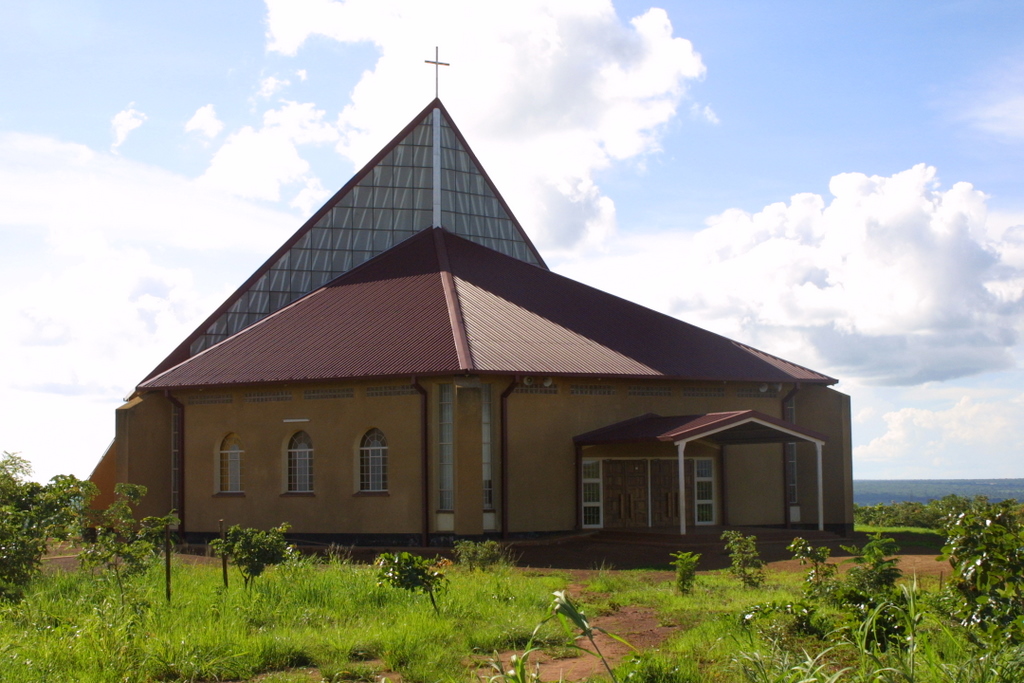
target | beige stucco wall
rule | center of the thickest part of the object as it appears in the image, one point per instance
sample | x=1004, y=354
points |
x=142, y=450
x=828, y=411
x=336, y=427
x=542, y=457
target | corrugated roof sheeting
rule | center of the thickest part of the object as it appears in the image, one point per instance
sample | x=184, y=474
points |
x=373, y=322
x=731, y=427
x=390, y=317
x=505, y=337
x=659, y=343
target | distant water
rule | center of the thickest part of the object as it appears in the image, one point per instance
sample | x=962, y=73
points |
x=874, y=491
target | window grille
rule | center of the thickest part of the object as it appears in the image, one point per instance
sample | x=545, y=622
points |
x=231, y=464
x=317, y=394
x=267, y=396
x=209, y=399
x=703, y=392
x=592, y=390
x=396, y=390
x=373, y=462
x=644, y=390
x=300, y=463
x=445, y=448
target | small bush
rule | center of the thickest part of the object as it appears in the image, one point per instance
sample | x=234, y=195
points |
x=821, y=578
x=253, y=550
x=686, y=570
x=747, y=565
x=481, y=554
x=412, y=573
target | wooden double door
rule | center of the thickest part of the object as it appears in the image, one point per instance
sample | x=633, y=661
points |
x=642, y=493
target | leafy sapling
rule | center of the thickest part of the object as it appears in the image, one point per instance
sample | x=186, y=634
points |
x=747, y=565
x=253, y=550
x=686, y=570
x=412, y=573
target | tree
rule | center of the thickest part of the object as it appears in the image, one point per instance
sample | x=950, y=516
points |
x=123, y=546
x=30, y=515
x=253, y=550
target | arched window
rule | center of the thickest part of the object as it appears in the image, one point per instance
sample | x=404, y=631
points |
x=230, y=478
x=300, y=463
x=373, y=462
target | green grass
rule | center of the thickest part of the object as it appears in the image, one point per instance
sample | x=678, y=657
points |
x=301, y=615
x=334, y=618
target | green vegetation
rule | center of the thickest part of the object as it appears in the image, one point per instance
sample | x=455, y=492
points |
x=107, y=621
x=686, y=570
x=747, y=565
x=253, y=550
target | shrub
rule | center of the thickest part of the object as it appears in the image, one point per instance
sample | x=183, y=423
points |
x=32, y=513
x=481, y=554
x=686, y=570
x=985, y=548
x=821, y=576
x=747, y=565
x=412, y=573
x=253, y=550
x=874, y=571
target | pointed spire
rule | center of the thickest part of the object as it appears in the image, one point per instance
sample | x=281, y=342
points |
x=427, y=176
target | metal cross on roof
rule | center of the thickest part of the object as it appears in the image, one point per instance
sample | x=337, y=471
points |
x=437, y=67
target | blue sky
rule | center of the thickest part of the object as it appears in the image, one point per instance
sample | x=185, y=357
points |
x=838, y=184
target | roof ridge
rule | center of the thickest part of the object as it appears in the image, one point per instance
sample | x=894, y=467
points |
x=451, y=296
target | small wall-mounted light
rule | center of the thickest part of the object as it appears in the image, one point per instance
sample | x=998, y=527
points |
x=763, y=388
x=548, y=381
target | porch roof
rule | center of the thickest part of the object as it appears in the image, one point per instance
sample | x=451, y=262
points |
x=733, y=427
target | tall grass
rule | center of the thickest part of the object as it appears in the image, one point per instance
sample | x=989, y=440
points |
x=72, y=626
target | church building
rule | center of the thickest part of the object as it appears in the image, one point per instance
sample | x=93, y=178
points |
x=406, y=370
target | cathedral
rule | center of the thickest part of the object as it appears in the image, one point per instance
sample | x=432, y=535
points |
x=405, y=370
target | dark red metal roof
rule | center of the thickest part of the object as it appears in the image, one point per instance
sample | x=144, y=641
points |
x=438, y=303
x=733, y=427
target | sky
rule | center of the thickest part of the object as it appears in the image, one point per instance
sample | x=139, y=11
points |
x=839, y=184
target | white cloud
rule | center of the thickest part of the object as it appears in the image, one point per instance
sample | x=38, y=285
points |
x=256, y=163
x=968, y=439
x=205, y=121
x=124, y=122
x=98, y=288
x=578, y=90
x=270, y=86
x=74, y=197
x=705, y=113
x=995, y=105
x=894, y=281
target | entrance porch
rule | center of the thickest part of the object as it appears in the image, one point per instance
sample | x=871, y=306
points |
x=654, y=472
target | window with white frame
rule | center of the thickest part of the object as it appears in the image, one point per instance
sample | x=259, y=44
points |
x=445, y=448
x=592, y=494
x=230, y=471
x=373, y=462
x=300, y=463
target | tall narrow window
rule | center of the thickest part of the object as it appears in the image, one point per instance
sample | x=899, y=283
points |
x=485, y=445
x=445, y=449
x=592, y=494
x=175, y=456
x=792, y=490
x=230, y=464
x=373, y=462
x=300, y=463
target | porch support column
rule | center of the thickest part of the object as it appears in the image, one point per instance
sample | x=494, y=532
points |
x=821, y=491
x=680, y=450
